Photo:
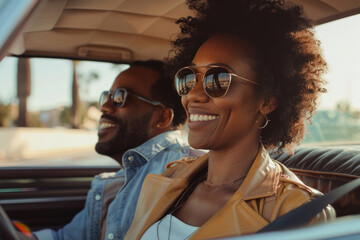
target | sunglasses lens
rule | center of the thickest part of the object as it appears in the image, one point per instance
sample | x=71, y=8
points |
x=103, y=98
x=119, y=97
x=185, y=80
x=217, y=82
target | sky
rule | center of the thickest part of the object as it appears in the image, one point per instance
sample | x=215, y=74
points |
x=52, y=79
x=341, y=47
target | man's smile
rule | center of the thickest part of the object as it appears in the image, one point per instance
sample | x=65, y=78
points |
x=105, y=125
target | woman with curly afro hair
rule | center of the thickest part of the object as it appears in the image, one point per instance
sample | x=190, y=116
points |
x=249, y=73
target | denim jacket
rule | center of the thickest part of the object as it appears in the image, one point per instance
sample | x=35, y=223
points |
x=150, y=157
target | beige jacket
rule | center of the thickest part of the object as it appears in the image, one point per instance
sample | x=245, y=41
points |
x=268, y=191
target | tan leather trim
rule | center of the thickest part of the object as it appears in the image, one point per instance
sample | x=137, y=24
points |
x=262, y=177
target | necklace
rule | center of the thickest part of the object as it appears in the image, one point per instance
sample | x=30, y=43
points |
x=233, y=182
x=181, y=200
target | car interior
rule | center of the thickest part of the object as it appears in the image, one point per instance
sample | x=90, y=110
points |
x=122, y=31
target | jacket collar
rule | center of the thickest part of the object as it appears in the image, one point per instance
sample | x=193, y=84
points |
x=153, y=146
x=261, y=180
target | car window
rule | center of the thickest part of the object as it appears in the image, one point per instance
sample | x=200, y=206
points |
x=337, y=121
x=52, y=136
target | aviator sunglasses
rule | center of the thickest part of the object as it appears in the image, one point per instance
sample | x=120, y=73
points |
x=216, y=80
x=119, y=96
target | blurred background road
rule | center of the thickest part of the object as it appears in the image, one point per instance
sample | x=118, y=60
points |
x=50, y=147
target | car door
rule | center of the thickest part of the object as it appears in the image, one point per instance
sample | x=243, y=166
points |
x=45, y=197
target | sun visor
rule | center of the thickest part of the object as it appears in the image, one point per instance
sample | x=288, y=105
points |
x=109, y=53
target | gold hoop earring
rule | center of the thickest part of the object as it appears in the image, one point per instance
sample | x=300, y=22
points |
x=265, y=124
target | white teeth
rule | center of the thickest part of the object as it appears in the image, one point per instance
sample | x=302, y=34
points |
x=202, y=117
x=106, y=125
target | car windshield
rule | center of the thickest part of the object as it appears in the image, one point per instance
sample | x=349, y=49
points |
x=54, y=136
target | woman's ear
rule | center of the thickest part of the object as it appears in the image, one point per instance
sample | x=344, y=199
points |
x=269, y=105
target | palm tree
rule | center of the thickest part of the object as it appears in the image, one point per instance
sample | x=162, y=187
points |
x=75, y=113
x=23, y=90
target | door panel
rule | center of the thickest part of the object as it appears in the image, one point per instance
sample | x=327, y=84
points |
x=47, y=196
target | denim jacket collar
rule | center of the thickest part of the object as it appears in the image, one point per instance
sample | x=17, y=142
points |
x=145, y=152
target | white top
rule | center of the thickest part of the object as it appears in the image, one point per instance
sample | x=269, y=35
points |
x=177, y=229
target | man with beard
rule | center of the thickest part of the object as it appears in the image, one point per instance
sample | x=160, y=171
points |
x=141, y=113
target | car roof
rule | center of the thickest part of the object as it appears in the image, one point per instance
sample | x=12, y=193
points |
x=125, y=30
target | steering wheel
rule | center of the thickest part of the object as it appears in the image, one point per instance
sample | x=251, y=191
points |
x=7, y=229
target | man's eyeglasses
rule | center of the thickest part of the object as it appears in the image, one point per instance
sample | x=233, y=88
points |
x=216, y=80
x=119, y=95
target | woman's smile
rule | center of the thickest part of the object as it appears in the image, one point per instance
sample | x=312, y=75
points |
x=202, y=117
x=198, y=120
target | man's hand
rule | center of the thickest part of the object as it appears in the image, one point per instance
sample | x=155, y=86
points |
x=22, y=236
x=23, y=231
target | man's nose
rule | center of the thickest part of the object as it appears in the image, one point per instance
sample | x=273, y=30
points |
x=107, y=106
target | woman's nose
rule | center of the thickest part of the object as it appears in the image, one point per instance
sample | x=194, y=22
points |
x=197, y=94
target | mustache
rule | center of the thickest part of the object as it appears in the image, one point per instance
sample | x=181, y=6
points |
x=111, y=118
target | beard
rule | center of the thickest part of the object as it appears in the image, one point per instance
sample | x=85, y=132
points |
x=128, y=135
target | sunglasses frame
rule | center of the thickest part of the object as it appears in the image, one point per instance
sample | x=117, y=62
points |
x=192, y=68
x=126, y=93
